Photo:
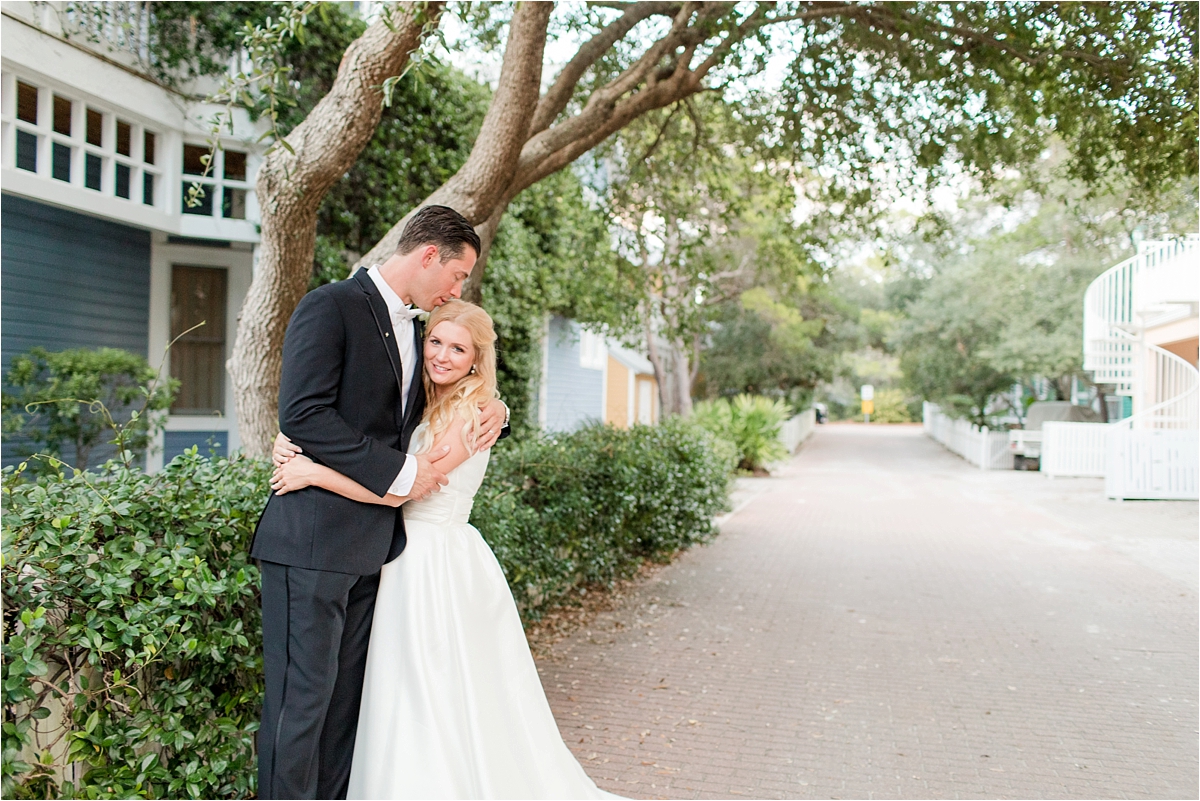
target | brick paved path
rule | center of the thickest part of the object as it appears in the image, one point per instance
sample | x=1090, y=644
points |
x=883, y=620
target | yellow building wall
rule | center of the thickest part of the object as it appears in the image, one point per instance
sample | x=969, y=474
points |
x=616, y=402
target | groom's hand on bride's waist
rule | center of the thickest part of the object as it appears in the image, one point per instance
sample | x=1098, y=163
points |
x=429, y=478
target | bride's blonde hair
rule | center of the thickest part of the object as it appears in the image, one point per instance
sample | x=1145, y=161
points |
x=472, y=390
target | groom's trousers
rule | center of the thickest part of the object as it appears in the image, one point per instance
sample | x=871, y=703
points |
x=316, y=627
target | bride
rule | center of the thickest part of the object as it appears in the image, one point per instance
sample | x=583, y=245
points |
x=452, y=706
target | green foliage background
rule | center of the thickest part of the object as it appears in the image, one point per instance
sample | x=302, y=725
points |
x=750, y=423
x=67, y=403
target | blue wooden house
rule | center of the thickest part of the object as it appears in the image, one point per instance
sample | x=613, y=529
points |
x=98, y=246
x=589, y=378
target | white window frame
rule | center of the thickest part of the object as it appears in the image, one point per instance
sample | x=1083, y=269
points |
x=215, y=182
x=47, y=137
x=593, y=352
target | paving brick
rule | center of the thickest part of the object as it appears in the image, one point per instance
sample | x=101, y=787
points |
x=883, y=620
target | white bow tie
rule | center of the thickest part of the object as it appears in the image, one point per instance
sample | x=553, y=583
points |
x=408, y=313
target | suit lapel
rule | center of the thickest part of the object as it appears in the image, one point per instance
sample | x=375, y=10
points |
x=383, y=322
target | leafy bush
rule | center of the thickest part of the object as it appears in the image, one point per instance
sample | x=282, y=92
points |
x=131, y=605
x=591, y=506
x=79, y=398
x=891, y=406
x=751, y=422
x=131, y=608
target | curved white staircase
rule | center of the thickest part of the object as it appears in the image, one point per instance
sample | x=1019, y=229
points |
x=1125, y=297
x=1155, y=453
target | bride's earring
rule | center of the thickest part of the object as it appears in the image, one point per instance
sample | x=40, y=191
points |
x=472, y=370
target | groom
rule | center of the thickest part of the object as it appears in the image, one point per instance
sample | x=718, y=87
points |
x=350, y=396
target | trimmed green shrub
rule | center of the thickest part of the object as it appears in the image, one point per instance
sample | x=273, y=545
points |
x=131, y=608
x=131, y=604
x=591, y=506
x=751, y=422
x=80, y=398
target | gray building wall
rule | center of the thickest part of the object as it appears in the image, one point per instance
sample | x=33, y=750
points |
x=574, y=394
x=69, y=281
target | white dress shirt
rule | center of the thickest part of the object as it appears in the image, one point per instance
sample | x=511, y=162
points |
x=402, y=329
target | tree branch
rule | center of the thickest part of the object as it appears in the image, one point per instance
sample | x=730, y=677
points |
x=559, y=94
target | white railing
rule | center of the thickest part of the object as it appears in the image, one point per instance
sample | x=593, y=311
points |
x=985, y=449
x=797, y=429
x=1114, y=301
x=1087, y=449
x=1074, y=449
x=1172, y=386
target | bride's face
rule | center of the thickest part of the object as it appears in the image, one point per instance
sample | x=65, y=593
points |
x=449, y=353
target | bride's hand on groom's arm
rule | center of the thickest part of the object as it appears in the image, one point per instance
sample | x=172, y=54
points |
x=294, y=474
x=284, y=449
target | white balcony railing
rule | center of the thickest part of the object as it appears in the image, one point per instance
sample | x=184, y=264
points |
x=1116, y=303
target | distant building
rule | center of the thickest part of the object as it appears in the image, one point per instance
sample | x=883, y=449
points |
x=99, y=248
x=587, y=378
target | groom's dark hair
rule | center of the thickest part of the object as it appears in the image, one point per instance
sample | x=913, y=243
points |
x=441, y=226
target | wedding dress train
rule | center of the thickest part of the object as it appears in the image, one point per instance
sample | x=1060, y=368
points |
x=452, y=705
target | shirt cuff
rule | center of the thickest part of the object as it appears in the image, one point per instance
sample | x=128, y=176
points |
x=404, y=481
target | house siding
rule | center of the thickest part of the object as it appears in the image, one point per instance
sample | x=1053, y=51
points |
x=69, y=281
x=574, y=394
x=208, y=442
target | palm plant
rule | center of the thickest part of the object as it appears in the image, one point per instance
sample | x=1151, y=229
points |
x=751, y=422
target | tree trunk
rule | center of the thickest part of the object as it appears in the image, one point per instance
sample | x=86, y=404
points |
x=290, y=186
x=672, y=370
x=480, y=190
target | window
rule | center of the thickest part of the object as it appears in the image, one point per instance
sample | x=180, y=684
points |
x=65, y=139
x=198, y=295
x=95, y=128
x=27, y=151
x=123, y=176
x=226, y=178
x=124, y=138
x=61, y=169
x=592, y=351
x=27, y=103
x=195, y=158
x=235, y=166
x=93, y=170
x=62, y=115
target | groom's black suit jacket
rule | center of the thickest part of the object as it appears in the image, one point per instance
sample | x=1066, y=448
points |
x=339, y=400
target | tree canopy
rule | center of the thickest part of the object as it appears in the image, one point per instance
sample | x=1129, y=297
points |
x=866, y=102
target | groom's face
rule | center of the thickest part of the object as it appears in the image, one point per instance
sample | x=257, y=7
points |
x=440, y=281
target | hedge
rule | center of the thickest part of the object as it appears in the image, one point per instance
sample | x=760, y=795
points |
x=131, y=608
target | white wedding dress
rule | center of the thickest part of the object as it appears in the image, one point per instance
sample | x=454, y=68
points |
x=452, y=705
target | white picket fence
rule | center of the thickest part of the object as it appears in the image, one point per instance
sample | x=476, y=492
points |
x=985, y=449
x=797, y=429
x=1074, y=449
x=1153, y=464
x=1135, y=463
